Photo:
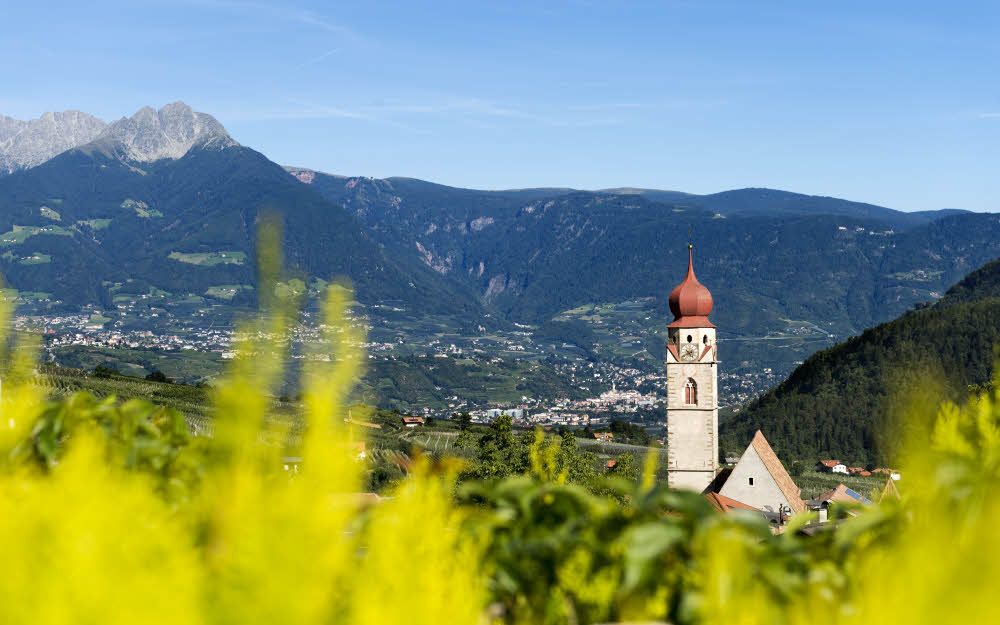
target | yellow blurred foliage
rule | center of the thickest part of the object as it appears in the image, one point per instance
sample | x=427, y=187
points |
x=90, y=541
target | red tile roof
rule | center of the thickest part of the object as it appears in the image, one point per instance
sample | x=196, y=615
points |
x=727, y=504
x=778, y=472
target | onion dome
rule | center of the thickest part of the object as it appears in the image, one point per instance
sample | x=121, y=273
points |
x=690, y=302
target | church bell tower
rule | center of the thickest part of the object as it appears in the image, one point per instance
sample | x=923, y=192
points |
x=692, y=389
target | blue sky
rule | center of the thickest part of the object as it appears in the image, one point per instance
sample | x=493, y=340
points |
x=894, y=103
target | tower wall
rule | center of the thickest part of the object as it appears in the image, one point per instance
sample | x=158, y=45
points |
x=692, y=393
x=692, y=430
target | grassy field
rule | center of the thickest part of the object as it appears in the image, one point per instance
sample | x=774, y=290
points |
x=18, y=234
x=225, y=291
x=188, y=366
x=50, y=214
x=141, y=209
x=36, y=259
x=95, y=224
x=209, y=259
x=192, y=401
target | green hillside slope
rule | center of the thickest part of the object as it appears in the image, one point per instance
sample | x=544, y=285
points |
x=187, y=225
x=983, y=282
x=838, y=402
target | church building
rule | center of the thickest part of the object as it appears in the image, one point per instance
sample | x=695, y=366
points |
x=692, y=387
x=760, y=480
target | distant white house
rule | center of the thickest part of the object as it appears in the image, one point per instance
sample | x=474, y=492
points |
x=832, y=466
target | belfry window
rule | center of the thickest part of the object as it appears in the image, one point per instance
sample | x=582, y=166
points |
x=690, y=392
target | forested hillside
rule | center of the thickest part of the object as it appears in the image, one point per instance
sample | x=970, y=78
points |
x=87, y=224
x=778, y=256
x=839, y=401
x=983, y=282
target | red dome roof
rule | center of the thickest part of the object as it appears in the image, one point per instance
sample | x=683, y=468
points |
x=690, y=302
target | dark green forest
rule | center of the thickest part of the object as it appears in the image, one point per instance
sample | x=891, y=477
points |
x=840, y=402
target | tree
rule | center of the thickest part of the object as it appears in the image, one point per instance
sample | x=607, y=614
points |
x=102, y=371
x=500, y=453
x=580, y=468
x=465, y=440
x=626, y=467
x=158, y=376
x=464, y=420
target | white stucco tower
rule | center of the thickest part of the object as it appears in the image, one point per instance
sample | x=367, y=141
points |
x=692, y=387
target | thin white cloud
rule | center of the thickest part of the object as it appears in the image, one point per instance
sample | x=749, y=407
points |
x=989, y=115
x=475, y=110
x=472, y=111
x=317, y=59
x=284, y=12
x=304, y=112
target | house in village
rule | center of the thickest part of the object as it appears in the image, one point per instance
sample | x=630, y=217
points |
x=760, y=481
x=831, y=466
x=412, y=422
x=604, y=436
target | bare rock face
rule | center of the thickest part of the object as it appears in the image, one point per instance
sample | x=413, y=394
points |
x=25, y=144
x=151, y=135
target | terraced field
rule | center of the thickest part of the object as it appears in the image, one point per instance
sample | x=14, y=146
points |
x=18, y=234
x=208, y=259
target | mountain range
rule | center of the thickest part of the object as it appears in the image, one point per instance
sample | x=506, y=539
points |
x=530, y=255
x=167, y=201
x=24, y=144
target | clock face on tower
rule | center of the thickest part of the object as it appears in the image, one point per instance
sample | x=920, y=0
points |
x=689, y=352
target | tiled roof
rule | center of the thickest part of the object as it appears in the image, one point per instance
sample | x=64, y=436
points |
x=727, y=504
x=778, y=472
x=843, y=494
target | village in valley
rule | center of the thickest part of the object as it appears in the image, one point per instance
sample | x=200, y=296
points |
x=605, y=392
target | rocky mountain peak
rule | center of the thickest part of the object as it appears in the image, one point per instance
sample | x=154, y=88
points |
x=150, y=135
x=25, y=144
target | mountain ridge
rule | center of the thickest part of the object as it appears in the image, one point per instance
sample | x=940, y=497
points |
x=106, y=222
x=26, y=144
x=170, y=132
x=760, y=201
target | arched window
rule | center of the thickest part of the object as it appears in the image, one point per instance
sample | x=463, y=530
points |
x=690, y=392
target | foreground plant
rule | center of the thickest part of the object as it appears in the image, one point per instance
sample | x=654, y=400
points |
x=114, y=513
